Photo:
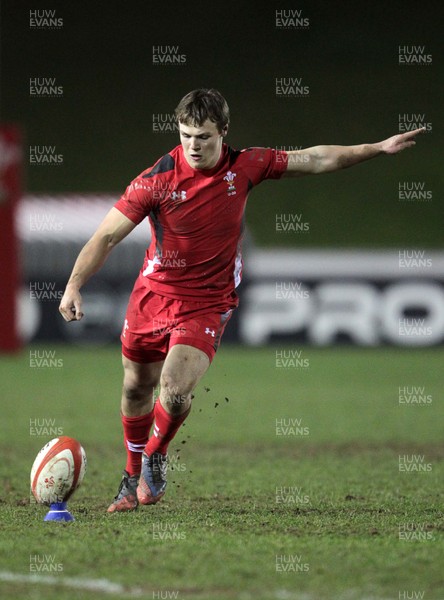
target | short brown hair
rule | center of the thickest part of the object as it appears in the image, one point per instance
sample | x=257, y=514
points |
x=202, y=104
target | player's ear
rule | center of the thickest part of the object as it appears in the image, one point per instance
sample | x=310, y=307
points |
x=224, y=131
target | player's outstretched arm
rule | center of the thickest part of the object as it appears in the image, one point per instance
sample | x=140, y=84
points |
x=114, y=227
x=325, y=159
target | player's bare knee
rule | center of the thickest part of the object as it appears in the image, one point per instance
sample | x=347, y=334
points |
x=175, y=393
x=176, y=386
x=136, y=392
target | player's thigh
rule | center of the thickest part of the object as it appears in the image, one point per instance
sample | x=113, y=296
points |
x=183, y=368
x=139, y=378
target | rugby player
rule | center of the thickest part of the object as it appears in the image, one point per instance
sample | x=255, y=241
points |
x=194, y=198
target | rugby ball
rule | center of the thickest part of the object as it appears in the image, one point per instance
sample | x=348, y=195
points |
x=58, y=470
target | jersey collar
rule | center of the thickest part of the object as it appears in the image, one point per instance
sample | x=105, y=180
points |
x=204, y=172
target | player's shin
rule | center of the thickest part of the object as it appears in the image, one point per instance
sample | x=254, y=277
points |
x=136, y=432
x=165, y=428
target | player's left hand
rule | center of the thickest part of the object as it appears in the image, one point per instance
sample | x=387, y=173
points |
x=397, y=143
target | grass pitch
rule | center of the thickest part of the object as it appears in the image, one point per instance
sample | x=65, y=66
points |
x=285, y=483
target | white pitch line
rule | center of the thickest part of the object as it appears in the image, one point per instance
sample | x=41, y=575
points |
x=94, y=585
x=108, y=587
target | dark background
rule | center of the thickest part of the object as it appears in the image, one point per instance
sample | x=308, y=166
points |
x=102, y=56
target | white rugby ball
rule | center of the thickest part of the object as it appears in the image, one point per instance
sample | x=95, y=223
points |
x=58, y=470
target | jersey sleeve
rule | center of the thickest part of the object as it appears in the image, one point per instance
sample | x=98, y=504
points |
x=264, y=163
x=137, y=201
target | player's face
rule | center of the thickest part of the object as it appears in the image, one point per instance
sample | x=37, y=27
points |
x=202, y=145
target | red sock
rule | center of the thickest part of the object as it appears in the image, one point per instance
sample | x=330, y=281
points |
x=165, y=429
x=135, y=433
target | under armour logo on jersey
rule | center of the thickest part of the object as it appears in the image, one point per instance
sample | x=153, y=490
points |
x=179, y=195
x=125, y=327
x=210, y=331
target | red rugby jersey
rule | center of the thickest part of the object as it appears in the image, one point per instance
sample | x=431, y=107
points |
x=197, y=219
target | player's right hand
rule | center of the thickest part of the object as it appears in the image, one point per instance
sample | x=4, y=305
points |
x=71, y=305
